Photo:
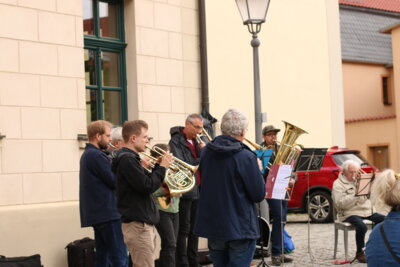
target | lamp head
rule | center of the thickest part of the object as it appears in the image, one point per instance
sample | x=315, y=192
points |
x=253, y=11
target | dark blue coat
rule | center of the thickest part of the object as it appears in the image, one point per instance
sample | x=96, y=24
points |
x=97, y=184
x=376, y=250
x=231, y=185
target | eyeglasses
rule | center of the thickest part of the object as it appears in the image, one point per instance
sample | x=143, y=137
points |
x=196, y=126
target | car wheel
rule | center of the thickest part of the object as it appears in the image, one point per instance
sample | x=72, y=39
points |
x=321, y=207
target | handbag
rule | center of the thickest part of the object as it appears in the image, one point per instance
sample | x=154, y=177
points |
x=28, y=261
x=287, y=242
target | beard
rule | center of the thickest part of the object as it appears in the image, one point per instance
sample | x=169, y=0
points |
x=103, y=145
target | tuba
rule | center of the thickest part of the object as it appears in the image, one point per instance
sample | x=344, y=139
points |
x=179, y=177
x=289, y=151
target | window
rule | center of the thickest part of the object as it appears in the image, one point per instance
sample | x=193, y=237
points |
x=340, y=158
x=105, y=74
x=386, y=93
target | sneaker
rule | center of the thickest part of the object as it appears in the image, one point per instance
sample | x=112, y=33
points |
x=361, y=257
x=278, y=260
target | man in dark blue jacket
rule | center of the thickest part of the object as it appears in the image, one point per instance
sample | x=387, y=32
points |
x=97, y=201
x=231, y=185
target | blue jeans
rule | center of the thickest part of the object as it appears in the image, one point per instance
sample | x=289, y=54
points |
x=278, y=209
x=234, y=253
x=110, y=246
x=361, y=228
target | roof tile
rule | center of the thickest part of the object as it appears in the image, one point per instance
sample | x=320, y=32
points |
x=387, y=5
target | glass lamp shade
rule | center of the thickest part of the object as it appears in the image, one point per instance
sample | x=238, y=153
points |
x=253, y=11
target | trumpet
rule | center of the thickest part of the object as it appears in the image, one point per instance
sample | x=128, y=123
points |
x=112, y=146
x=257, y=146
x=203, y=133
x=152, y=165
x=179, y=177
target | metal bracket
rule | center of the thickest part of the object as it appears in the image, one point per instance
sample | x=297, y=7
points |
x=1, y=139
x=82, y=140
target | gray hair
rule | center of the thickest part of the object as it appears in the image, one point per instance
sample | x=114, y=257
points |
x=233, y=123
x=347, y=163
x=192, y=117
x=116, y=133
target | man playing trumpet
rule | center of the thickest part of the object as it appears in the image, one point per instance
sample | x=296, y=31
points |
x=352, y=208
x=185, y=147
x=135, y=186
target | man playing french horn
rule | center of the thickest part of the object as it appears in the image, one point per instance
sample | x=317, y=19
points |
x=135, y=186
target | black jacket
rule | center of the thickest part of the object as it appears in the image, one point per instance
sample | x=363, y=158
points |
x=135, y=187
x=181, y=150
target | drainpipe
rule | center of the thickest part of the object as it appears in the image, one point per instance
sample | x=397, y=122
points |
x=205, y=102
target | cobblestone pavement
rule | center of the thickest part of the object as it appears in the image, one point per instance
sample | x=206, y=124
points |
x=321, y=243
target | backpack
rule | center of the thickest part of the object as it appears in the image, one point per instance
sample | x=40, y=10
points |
x=28, y=261
x=81, y=253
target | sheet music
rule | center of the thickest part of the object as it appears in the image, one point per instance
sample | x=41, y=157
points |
x=277, y=181
x=364, y=184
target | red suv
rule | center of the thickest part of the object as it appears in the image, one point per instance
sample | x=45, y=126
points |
x=317, y=182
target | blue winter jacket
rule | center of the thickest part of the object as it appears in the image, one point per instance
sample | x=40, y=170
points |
x=97, y=184
x=376, y=250
x=231, y=184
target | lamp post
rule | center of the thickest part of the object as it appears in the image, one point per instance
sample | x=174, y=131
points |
x=253, y=13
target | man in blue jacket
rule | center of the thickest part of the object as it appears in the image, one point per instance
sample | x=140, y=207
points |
x=231, y=185
x=97, y=201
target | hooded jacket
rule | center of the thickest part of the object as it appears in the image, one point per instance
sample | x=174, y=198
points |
x=346, y=202
x=231, y=185
x=97, y=202
x=181, y=150
x=135, y=187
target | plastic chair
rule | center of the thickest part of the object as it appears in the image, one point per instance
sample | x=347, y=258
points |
x=346, y=227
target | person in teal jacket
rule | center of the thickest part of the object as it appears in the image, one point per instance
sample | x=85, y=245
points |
x=168, y=225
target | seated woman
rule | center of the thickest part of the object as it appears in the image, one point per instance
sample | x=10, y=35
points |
x=379, y=252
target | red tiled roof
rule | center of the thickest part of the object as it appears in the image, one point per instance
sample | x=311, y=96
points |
x=388, y=5
x=371, y=118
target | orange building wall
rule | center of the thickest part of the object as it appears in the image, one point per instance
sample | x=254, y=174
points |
x=368, y=121
x=363, y=90
x=361, y=135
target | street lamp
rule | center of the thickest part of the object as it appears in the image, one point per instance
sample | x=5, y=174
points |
x=253, y=13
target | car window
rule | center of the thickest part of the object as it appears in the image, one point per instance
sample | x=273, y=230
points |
x=340, y=158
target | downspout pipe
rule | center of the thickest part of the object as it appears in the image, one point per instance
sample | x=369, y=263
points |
x=205, y=102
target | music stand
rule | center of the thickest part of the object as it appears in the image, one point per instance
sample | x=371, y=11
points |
x=364, y=184
x=310, y=160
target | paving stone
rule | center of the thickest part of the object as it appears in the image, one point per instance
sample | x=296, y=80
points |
x=314, y=243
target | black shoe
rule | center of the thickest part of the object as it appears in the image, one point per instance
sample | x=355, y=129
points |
x=278, y=260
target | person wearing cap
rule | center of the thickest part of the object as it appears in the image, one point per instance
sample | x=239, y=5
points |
x=277, y=207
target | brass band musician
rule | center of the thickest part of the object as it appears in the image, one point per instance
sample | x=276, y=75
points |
x=278, y=207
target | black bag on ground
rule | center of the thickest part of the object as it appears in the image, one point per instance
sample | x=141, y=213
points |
x=81, y=253
x=28, y=261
